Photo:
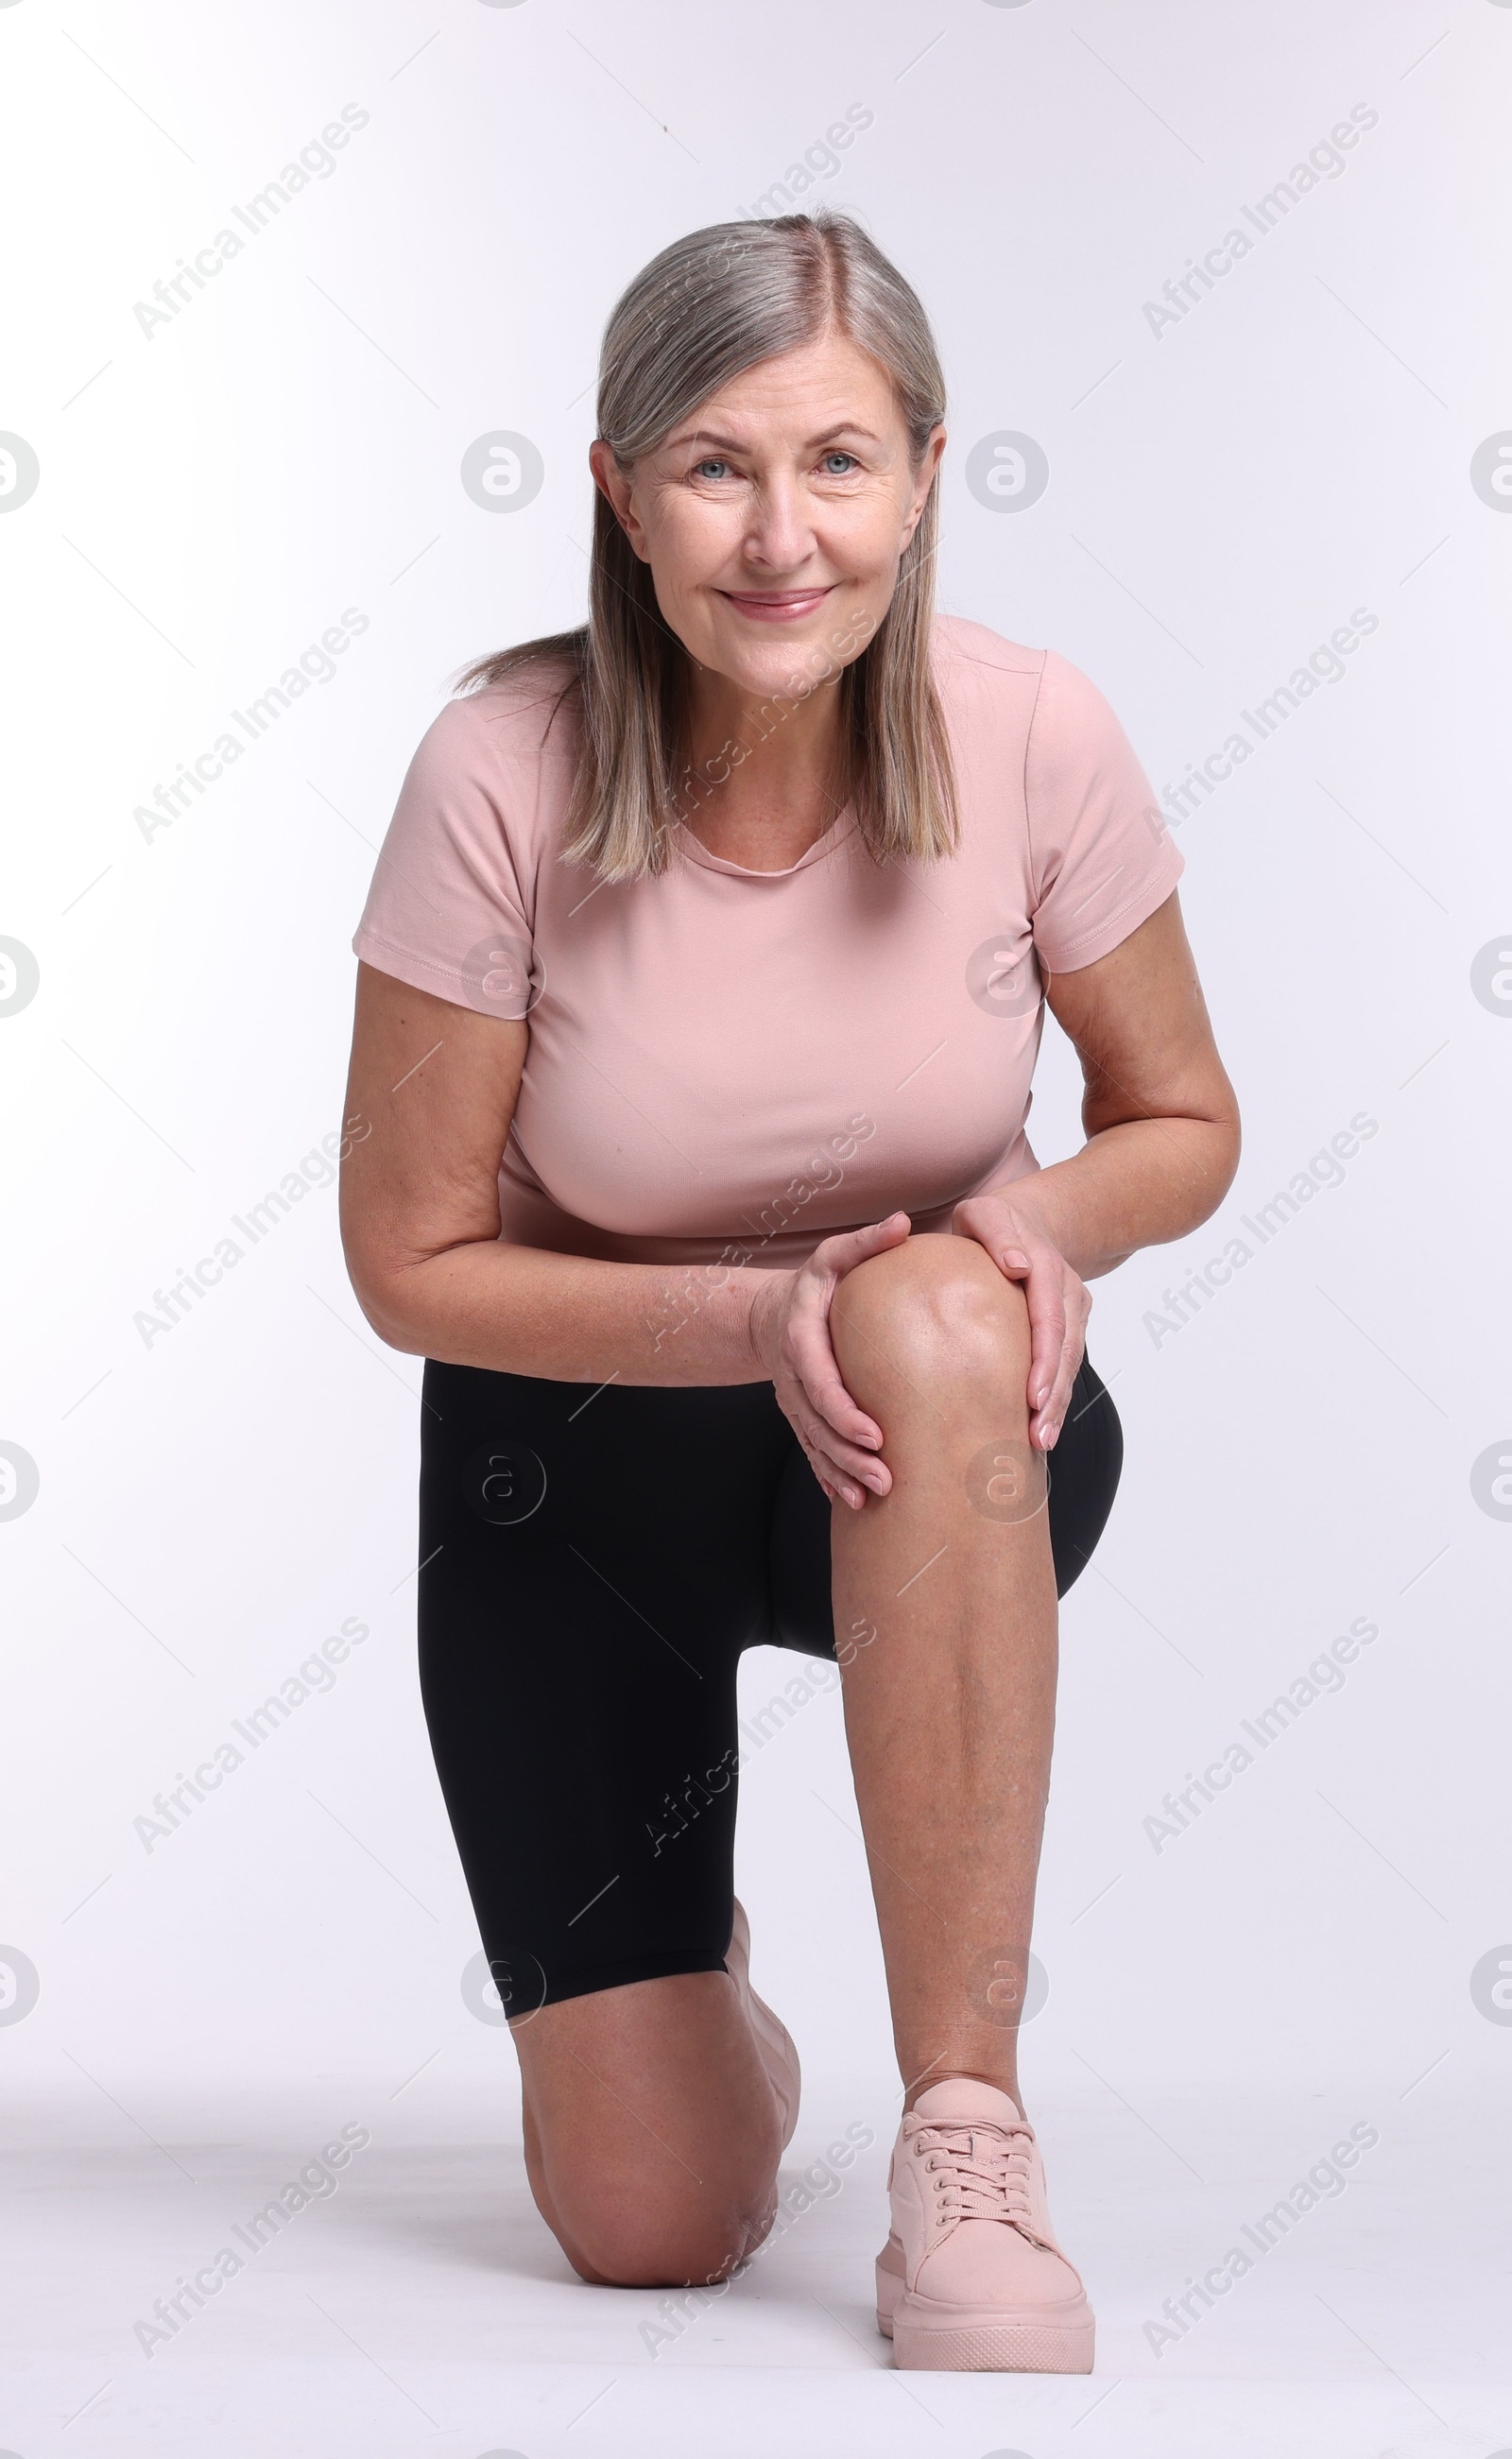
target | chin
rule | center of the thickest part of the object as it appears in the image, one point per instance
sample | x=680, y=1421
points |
x=771, y=664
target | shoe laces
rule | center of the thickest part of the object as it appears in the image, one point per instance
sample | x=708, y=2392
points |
x=979, y=2171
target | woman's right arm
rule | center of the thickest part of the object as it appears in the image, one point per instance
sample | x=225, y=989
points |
x=435, y=1086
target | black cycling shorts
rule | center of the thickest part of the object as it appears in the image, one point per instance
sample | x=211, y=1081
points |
x=593, y=1563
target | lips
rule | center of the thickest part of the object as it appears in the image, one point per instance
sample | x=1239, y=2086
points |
x=776, y=607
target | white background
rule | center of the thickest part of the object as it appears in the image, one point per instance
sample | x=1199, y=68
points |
x=1222, y=495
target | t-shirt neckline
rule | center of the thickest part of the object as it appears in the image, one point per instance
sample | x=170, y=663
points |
x=696, y=851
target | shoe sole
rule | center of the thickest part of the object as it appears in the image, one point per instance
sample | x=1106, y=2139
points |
x=931, y=2338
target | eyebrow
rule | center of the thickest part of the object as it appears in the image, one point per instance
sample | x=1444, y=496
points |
x=731, y=444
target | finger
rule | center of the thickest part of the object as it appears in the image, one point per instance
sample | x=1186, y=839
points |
x=819, y=1379
x=1046, y=1333
x=1053, y=1416
x=834, y=1458
x=812, y=1349
x=834, y=1455
x=841, y=1253
x=1044, y=1292
x=844, y=1491
x=813, y=1357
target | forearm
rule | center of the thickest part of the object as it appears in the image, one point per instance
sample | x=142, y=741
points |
x=1140, y=1184
x=569, y=1318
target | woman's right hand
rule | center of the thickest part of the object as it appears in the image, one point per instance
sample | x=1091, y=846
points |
x=789, y=1328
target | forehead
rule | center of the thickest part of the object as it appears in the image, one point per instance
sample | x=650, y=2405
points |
x=823, y=383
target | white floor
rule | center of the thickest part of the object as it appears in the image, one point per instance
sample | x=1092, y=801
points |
x=421, y=2306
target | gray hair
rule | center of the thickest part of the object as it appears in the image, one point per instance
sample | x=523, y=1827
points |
x=710, y=306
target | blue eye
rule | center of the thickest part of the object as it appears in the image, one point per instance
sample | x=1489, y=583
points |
x=838, y=455
x=714, y=462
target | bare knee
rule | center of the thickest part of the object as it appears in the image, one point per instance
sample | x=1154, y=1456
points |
x=622, y=2223
x=935, y=1307
x=652, y=2136
x=638, y=2260
x=695, y=2248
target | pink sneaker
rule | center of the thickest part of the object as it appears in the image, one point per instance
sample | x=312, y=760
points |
x=773, y=2039
x=971, y=2280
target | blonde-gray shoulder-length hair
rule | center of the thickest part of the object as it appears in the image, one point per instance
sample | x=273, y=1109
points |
x=710, y=306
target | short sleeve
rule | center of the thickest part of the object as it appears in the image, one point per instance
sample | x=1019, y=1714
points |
x=449, y=908
x=1103, y=856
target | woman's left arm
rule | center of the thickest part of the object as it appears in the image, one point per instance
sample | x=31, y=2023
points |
x=1163, y=1145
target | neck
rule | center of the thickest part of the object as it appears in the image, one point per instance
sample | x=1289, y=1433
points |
x=765, y=771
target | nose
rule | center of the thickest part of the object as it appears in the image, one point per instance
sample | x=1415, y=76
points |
x=779, y=539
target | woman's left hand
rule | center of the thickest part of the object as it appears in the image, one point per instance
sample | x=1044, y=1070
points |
x=1058, y=1300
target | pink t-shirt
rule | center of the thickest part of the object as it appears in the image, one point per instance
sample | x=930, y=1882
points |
x=729, y=1064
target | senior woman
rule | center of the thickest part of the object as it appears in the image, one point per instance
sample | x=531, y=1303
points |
x=702, y=981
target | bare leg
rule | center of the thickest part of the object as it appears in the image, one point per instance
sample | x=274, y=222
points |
x=945, y=1615
x=652, y=2135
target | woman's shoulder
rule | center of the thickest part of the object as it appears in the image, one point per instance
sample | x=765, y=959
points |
x=524, y=716
x=988, y=690
x=980, y=671
x=490, y=781
x=959, y=643
x=985, y=681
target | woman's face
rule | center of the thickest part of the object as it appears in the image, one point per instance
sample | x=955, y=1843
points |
x=774, y=516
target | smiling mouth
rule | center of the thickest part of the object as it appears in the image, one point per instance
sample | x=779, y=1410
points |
x=776, y=605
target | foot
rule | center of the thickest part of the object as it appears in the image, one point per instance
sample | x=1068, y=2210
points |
x=971, y=2280
x=779, y=2057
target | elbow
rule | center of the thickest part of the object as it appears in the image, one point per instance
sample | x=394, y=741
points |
x=381, y=1296
x=1231, y=1144
x=1224, y=1144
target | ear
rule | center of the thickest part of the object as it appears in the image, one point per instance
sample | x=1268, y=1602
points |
x=929, y=464
x=614, y=486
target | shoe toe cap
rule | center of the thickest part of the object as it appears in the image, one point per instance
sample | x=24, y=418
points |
x=982, y=2262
